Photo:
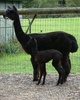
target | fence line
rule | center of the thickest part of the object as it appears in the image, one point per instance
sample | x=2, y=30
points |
x=58, y=10
x=54, y=21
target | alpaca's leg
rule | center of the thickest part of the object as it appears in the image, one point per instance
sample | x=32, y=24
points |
x=35, y=70
x=66, y=63
x=61, y=72
x=61, y=75
x=59, y=79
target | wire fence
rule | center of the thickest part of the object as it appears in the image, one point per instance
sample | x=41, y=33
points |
x=19, y=62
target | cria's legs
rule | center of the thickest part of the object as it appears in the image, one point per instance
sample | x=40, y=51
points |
x=42, y=73
x=40, y=78
x=44, y=76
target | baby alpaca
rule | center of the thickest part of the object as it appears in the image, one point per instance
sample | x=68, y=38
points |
x=42, y=57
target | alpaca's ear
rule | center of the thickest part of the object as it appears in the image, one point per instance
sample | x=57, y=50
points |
x=14, y=8
x=9, y=7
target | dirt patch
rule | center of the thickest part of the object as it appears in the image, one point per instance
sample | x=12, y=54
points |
x=21, y=87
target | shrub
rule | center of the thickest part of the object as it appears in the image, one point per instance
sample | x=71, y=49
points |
x=11, y=48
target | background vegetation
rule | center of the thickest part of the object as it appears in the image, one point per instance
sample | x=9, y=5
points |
x=50, y=3
x=14, y=59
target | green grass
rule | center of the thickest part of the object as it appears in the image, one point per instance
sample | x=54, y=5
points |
x=70, y=25
x=20, y=63
x=15, y=63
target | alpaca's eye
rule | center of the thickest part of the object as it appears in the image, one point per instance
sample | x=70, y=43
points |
x=8, y=11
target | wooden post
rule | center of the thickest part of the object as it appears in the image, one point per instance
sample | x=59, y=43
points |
x=30, y=23
x=58, y=10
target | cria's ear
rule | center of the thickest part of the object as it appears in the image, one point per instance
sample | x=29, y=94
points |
x=30, y=37
x=33, y=39
x=14, y=8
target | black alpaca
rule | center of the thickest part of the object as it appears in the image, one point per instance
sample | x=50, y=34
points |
x=42, y=57
x=61, y=41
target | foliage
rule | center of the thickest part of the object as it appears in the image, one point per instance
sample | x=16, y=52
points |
x=39, y=3
x=10, y=48
x=49, y=3
x=73, y=3
x=20, y=62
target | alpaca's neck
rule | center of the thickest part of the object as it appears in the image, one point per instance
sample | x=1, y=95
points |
x=17, y=25
x=34, y=51
x=21, y=36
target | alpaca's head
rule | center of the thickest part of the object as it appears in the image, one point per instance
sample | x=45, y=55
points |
x=11, y=13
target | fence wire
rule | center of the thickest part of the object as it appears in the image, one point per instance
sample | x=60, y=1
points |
x=16, y=60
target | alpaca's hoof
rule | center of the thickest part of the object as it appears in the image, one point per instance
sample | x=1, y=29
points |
x=65, y=80
x=38, y=83
x=57, y=84
x=62, y=81
x=43, y=83
x=35, y=79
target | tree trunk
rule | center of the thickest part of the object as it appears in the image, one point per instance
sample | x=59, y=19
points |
x=62, y=3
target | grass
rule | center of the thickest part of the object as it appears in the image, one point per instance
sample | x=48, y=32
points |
x=20, y=63
x=12, y=63
x=70, y=25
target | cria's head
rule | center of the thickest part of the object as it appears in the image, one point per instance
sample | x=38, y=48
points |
x=33, y=42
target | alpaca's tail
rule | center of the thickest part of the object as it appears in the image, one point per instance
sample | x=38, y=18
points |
x=74, y=47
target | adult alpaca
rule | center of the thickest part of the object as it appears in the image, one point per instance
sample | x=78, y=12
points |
x=42, y=57
x=61, y=41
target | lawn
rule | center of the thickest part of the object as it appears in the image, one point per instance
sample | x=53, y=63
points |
x=14, y=63
x=70, y=25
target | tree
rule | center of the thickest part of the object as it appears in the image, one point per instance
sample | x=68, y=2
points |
x=76, y=3
x=50, y=3
x=62, y=3
x=27, y=3
x=39, y=3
